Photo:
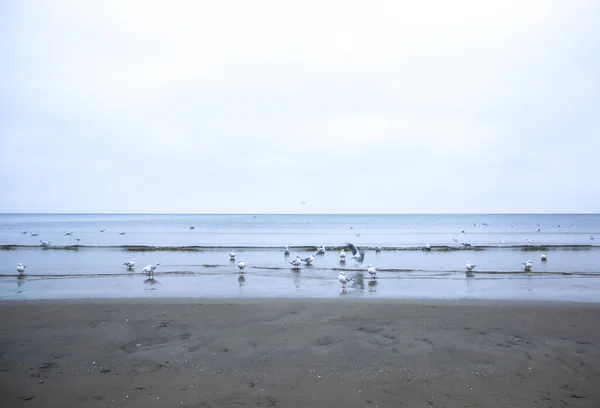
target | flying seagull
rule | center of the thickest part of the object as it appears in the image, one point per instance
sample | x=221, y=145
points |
x=357, y=254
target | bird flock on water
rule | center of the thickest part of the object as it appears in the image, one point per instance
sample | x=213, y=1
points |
x=357, y=255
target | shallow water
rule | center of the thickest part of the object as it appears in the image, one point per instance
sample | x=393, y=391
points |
x=94, y=269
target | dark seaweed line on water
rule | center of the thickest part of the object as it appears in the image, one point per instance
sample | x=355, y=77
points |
x=212, y=248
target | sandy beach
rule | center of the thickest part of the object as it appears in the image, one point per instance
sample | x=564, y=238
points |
x=298, y=353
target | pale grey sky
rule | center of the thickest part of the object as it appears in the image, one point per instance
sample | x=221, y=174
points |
x=351, y=106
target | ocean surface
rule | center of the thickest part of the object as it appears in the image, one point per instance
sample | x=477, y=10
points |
x=193, y=254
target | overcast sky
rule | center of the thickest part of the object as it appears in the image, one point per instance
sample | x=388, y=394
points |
x=350, y=106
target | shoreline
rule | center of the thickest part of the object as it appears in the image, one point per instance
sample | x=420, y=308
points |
x=299, y=353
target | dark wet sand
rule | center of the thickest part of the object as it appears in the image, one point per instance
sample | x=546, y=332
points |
x=298, y=353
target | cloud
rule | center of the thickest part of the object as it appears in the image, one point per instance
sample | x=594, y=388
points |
x=190, y=106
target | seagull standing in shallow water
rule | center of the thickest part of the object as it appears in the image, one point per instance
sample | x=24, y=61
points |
x=372, y=271
x=34, y=234
x=149, y=269
x=129, y=264
x=427, y=247
x=527, y=265
x=286, y=250
x=544, y=257
x=321, y=250
x=344, y=280
x=469, y=266
x=241, y=265
x=296, y=263
x=342, y=255
x=45, y=244
x=21, y=268
x=357, y=254
x=232, y=254
x=308, y=260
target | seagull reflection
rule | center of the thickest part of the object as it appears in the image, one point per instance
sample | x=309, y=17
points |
x=241, y=281
x=373, y=285
x=297, y=280
x=151, y=281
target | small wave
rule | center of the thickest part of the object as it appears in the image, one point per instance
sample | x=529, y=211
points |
x=299, y=248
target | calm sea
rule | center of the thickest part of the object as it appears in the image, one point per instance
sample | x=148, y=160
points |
x=193, y=252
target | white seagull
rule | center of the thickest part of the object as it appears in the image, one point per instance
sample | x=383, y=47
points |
x=529, y=241
x=24, y=232
x=286, y=250
x=321, y=250
x=344, y=280
x=467, y=245
x=527, y=265
x=342, y=255
x=241, y=265
x=544, y=257
x=469, y=266
x=372, y=271
x=308, y=260
x=357, y=254
x=592, y=237
x=21, y=268
x=149, y=269
x=34, y=234
x=296, y=263
x=129, y=264
x=427, y=246
x=232, y=254
x=45, y=243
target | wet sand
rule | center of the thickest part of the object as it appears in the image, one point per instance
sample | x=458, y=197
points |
x=298, y=353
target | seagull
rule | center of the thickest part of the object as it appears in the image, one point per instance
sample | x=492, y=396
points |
x=342, y=255
x=467, y=244
x=130, y=264
x=427, y=246
x=502, y=241
x=527, y=265
x=377, y=248
x=68, y=233
x=321, y=250
x=344, y=280
x=372, y=270
x=34, y=234
x=538, y=230
x=121, y=233
x=45, y=243
x=296, y=263
x=308, y=259
x=357, y=234
x=455, y=239
x=544, y=257
x=286, y=250
x=21, y=268
x=469, y=266
x=192, y=227
x=591, y=237
x=241, y=265
x=232, y=254
x=24, y=232
x=149, y=269
x=357, y=254
x=103, y=229
x=529, y=241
